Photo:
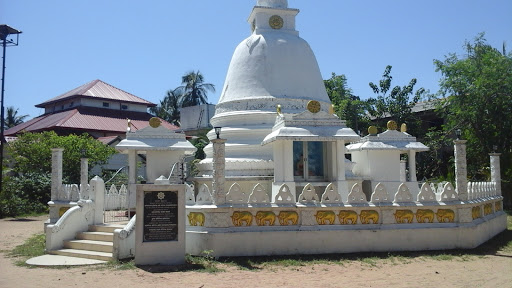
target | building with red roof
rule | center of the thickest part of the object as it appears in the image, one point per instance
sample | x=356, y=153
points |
x=96, y=108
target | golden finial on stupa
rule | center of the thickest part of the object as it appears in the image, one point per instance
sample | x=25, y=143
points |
x=372, y=130
x=331, y=109
x=403, y=128
x=392, y=125
x=129, y=123
x=278, y=108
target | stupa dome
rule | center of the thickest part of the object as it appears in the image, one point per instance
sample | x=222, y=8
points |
x=273, y=3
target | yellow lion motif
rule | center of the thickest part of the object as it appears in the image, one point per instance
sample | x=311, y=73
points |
x=325, y=217
x=445, y=216
x=476, y=212
x=288, y=218
x=241, y=217
x=498, y=206
x=425, y=216
x=264, y=217
x=369, y=215
x=403, y=216
x=346, y=216
x=196, y=219
x=487, y=209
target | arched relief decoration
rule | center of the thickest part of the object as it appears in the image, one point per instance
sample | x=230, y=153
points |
x=74, y=193
x=331, y=194
x=204, y=197
x=259, y=195
x=235, y=194
x=356, y=195
x=189, y=194
x=403, y=194
x=380, y=194
x=308, y=194
x=449, y=193
x=284, y=195
x=426, y=194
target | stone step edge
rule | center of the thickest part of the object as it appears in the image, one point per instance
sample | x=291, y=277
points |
x=83, y=254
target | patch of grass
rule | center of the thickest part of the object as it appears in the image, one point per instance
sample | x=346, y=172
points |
x=370, y=261
x=120, y=265
x=33, y=247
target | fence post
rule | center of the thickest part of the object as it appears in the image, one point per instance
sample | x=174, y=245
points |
x=97, y=195
x=84, y=176
x=461, y=173
x=496, y=171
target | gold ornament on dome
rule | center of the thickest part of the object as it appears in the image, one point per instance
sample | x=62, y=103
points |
x=278, y=109
x=276, y=22
x=372, y=130
x=331, y=109
x=313, y=106
x=403, y=128
x=155, y=122
x=392, y=125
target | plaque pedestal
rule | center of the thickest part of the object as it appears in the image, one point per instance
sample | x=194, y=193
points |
x=160, y=225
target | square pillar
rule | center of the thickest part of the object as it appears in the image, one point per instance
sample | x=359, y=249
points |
x=461, y=173
x=496, y=171
x=341, y=180
x=219, y=167
x=412, y=166
x=283, y=170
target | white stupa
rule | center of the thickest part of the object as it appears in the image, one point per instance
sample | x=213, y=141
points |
x=272, y=67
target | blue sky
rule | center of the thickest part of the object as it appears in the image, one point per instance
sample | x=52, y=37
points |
x=144, y=47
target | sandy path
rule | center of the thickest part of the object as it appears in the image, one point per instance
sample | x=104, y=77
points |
x=472, y=271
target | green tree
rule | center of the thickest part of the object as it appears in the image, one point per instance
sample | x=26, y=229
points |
x=346, y=105
x=28, y=188
x=31, y=153
x=395, y=103
x=169, y=108
x=477, y=98
x=12, y=118
x=195, y=91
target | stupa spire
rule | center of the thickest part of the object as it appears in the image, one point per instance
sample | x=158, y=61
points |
x=273, y=3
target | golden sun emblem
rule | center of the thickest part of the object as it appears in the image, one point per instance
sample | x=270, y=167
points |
x=154, y=122
x=313, y=106
x=276, y=22
x=161, y=196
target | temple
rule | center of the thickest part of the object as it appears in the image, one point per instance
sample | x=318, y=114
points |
x=277, y=178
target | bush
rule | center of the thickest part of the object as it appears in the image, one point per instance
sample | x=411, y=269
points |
x=26, y=194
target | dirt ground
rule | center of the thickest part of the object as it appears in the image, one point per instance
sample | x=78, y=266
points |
x=491, y=270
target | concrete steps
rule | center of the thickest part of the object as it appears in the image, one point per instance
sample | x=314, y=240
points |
x=97, y=243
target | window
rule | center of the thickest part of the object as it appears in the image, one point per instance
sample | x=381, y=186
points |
x=308, y=159
x=124, y=107
x=106, y=104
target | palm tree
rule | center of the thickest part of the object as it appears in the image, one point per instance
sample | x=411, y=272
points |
x=168, y=109
x=12, y=119
x=195, y=90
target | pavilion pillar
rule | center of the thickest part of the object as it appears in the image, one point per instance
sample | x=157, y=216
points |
x=132, y=178
x=403, y=171
x=461, y=173
x=412, y=166
x=84, y=178
x=341, y=180
x=496, y=171
x=219, y=167
x=283, y=172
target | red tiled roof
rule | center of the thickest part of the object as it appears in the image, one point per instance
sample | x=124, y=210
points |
x=99, y=90
x=87, y=119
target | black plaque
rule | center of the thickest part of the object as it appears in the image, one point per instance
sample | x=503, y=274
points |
x=160, y=216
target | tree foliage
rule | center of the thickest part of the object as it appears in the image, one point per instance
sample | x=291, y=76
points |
x=12, y=118
x=477, y=98
x=195, y=91
x=169, y=107
x=396, y=102
x=31, y=153
x=346, y=105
